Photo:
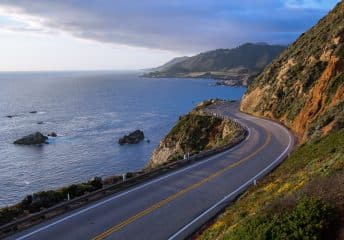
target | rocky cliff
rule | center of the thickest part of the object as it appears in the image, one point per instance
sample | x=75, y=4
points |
x=194, y=132
x=304, y=86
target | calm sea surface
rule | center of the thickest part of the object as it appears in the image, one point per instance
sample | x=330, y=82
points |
x=89, y=111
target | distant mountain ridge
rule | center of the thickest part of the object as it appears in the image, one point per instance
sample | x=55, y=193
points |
x=237, y=64
x=168, y=64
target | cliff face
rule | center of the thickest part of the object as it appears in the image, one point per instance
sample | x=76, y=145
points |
x=193, y=133
x=304, y=87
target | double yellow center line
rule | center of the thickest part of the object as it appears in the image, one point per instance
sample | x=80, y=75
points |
x=181, y=192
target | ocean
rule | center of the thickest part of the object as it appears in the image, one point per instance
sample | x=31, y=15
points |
x=89, y=111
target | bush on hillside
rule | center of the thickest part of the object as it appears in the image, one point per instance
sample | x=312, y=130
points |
x=309, y=219
x=45, y=199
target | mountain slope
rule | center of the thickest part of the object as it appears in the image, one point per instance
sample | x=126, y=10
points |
x=238, y=63
x=304, y=86
x=168, y=64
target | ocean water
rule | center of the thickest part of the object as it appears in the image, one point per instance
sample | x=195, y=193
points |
x=89, y=111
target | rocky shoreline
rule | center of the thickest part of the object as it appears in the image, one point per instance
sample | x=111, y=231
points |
x=36, y=202
x=222, y=78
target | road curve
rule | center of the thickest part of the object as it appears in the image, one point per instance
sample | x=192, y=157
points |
x=174, y=205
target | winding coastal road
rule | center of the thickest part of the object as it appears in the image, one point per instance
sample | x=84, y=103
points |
x=174, y=205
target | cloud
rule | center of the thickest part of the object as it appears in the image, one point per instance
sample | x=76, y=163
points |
x=310, y=4
x=177, y=25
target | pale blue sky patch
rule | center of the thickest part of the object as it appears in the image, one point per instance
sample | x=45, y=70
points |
x=11, y=22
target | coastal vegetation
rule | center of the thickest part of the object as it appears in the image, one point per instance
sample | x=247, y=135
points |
x=303, y=198
x=45, y=199
x=194, y=132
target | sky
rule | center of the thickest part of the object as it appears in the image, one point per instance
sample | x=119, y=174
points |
x=44, y=35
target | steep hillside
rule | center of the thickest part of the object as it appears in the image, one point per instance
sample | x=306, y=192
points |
x=304, y=86
x=233, y=64
x=304, y=197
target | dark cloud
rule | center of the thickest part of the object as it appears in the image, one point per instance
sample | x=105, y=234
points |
x=178, y=25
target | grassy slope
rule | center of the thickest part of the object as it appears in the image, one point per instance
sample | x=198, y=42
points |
x=314, y=170
x=193, y=133
x=197, y=133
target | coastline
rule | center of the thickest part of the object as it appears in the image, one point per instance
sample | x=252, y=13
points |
x=88, y=122
x=222, y=79
x=26, y=208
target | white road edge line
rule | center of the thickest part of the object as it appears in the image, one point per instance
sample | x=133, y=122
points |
x=134, y=189
x=174, y=236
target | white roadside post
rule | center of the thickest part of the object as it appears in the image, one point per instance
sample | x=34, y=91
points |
x=124, y=175
x=68, y=197
x=255, y=182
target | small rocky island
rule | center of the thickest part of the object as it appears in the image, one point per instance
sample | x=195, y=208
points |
x=32, y=139
x=133, y=138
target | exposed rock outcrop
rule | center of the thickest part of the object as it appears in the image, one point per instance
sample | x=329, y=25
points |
x=32, y=139
x=133, y=138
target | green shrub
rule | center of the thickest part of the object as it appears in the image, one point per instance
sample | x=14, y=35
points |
x=334, y=85
x=96, y=182
x=7, y=214
x=313, y=74
x=193, y=131
x=341, y=52
x=336, y=113
x=45, y=199
x=295, y=109
x=310, y=219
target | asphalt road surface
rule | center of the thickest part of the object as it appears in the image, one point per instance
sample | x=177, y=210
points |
x=175, y=205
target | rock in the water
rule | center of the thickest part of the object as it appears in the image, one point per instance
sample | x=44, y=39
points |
x=40, y=122
x=132, y=138
x=32, y=139
x=33, y=112
x=10, y=116
x=52, y=134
